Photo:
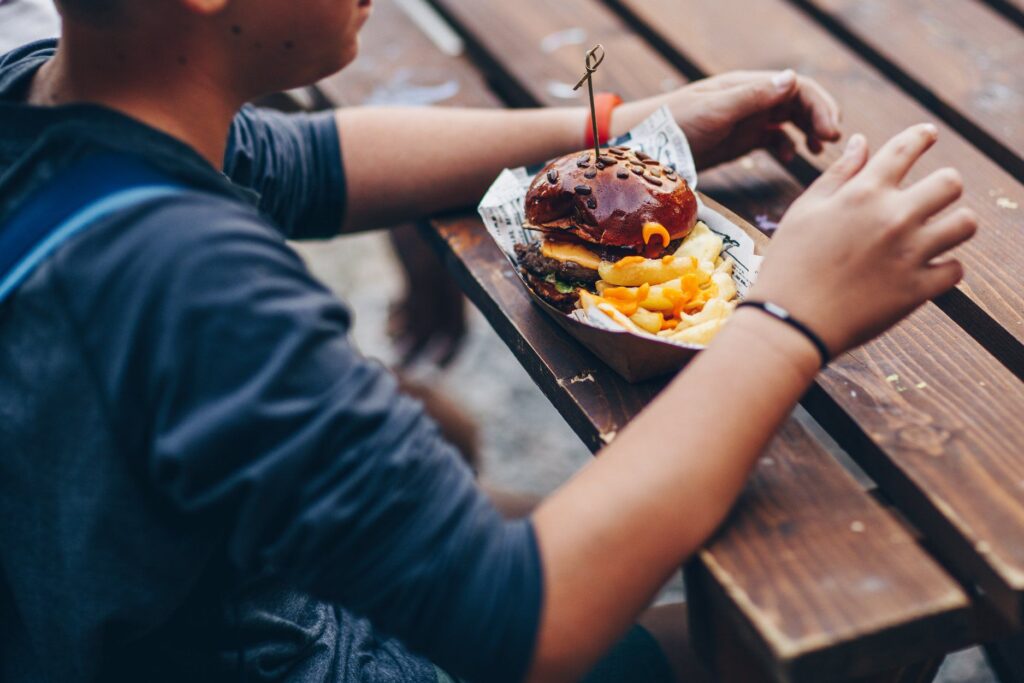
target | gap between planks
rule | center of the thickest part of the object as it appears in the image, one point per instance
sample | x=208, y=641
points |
x=974, y=131
x=1011, y=9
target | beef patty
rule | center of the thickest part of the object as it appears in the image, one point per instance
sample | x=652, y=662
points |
x=531, y=258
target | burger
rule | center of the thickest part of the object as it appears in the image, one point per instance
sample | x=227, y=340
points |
x=592, y=208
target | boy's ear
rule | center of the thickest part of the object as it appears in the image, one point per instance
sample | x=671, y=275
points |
x=205, y=6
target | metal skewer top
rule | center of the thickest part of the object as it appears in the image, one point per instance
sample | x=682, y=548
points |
x=594, y=58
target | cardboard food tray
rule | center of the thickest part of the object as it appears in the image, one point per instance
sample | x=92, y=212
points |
x=636, y=357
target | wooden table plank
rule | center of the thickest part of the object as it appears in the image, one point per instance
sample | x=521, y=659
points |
x=399, y=64
x=819, y=534
x=962, y=523
x=960, y=59
x=941, y=435
x=776, y=35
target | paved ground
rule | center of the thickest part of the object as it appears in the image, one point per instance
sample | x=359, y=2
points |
x=526, y=446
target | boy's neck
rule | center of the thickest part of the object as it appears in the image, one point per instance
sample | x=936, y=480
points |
x=173, y=90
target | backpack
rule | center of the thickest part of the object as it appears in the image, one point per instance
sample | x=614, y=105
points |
x=93, y=188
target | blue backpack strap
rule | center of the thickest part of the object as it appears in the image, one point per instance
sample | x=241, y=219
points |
x=91, y=189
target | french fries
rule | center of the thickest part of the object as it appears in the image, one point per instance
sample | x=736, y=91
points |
x=701, y=244
x=634, y=271
x=699, y=334
x=656, y=299
x=649, y=321
x=618, y=317
x=685, y=298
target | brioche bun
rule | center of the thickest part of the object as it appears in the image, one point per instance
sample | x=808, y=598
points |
x=608, y=201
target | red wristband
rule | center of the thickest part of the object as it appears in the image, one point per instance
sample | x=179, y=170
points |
x=605, y=103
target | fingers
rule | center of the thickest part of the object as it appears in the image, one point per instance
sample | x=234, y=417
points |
x=844, y=168
x=756, y=95
x=894, y=160
x=934, y=193
x=779, y=144
x=946, y=233
x=814, y=144
x=779, y=96
x=814, y=111
x=822, y=112
x=939, y=278
x=818, y=109
x=730, y=79
x=813, y=108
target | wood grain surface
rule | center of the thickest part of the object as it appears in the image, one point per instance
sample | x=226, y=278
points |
x=938, y=427
x=776, y=35
x=400, y=64
x=805, y=559
x=960, y=59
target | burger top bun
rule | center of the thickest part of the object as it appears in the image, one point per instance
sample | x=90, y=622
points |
x=610, y=201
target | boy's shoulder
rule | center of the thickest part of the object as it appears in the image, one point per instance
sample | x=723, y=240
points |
x=172, y=231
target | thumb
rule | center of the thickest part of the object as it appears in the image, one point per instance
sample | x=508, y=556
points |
x=758, y=95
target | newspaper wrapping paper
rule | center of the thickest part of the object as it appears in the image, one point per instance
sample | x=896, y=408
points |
x=503, y=208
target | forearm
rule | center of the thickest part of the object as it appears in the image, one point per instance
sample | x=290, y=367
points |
x=612, y=536
x=631, y=114
x=406, y=163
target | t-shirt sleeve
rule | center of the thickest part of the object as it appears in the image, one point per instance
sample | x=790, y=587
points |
x=293, y=161
x=260, y=416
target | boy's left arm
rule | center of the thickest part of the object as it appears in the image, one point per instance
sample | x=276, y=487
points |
x=406, y=163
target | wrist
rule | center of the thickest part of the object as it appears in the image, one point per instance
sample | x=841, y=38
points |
x=597, y=129
x=627, y=116
x=787, y=343
x=783, y=315
x=575, y=123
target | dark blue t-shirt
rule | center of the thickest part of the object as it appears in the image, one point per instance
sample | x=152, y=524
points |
x=200, y=478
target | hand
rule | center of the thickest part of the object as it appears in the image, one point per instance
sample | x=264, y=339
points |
x=855, y=254
x=728, y=116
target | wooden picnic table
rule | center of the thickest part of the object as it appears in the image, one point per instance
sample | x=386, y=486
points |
x=819, y=574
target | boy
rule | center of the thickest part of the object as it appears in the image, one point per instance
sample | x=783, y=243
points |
x=201, y=480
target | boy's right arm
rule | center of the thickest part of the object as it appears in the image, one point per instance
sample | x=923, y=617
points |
x=852, y=257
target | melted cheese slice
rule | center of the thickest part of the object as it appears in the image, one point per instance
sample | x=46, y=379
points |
x=564, y=251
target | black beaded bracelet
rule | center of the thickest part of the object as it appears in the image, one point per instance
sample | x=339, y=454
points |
x=780, y=313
